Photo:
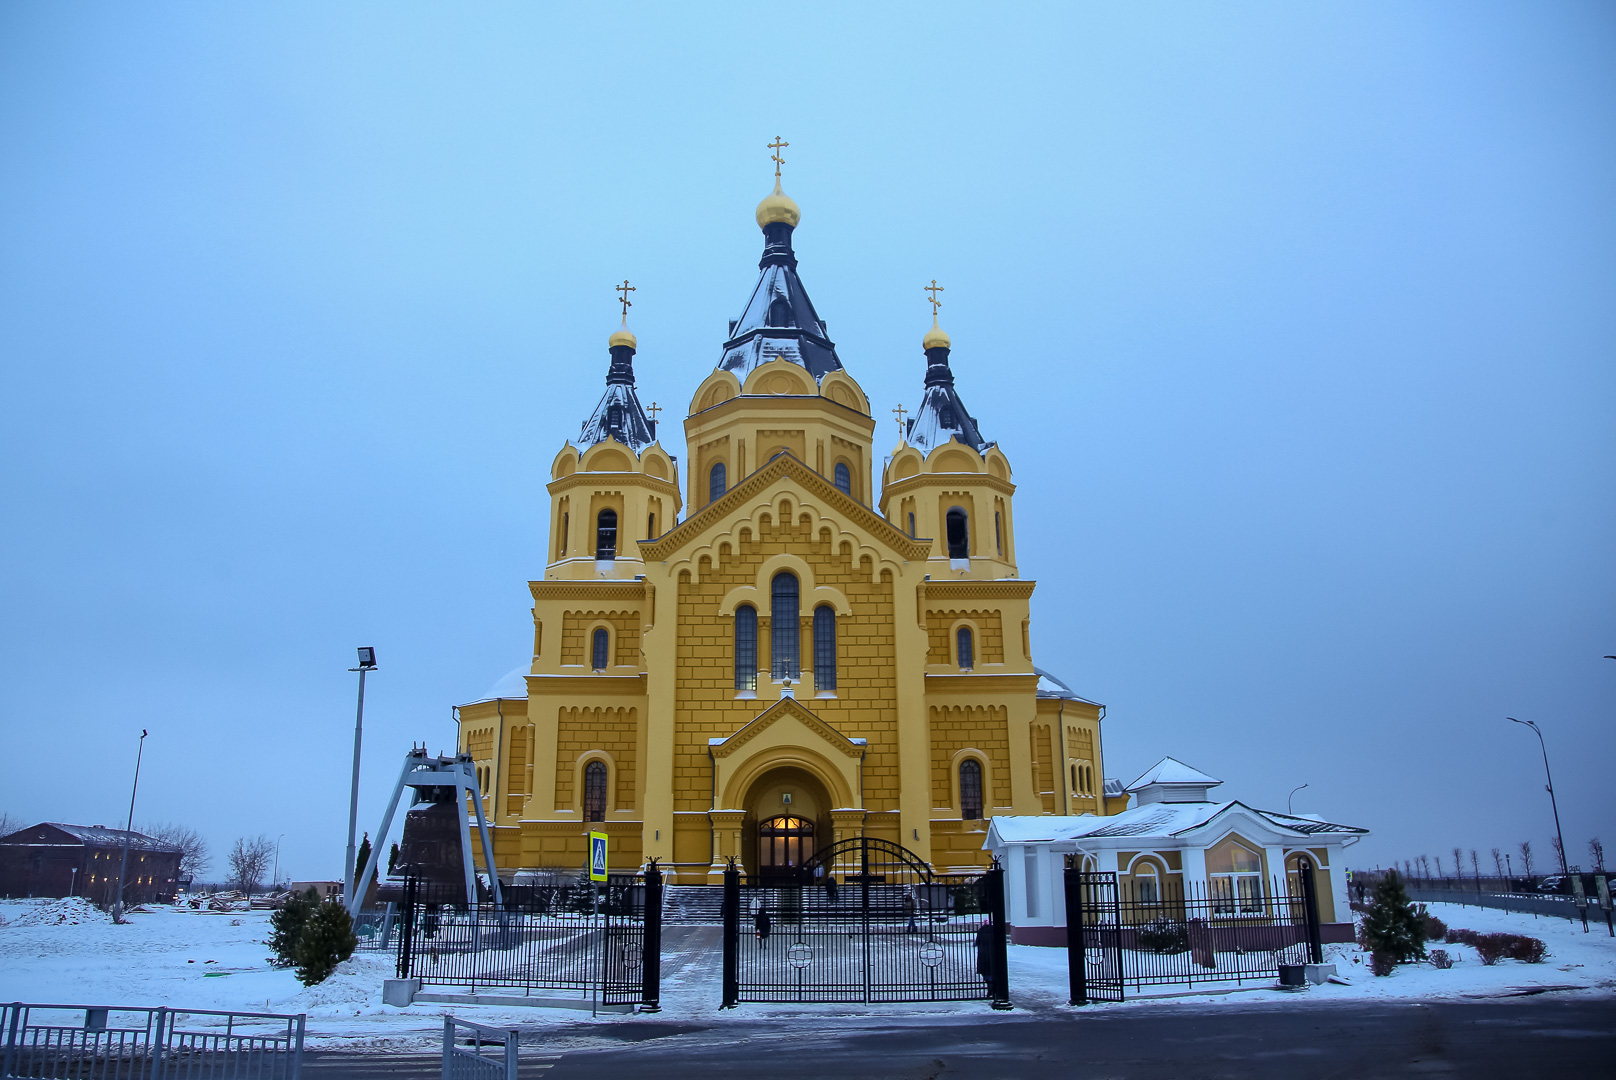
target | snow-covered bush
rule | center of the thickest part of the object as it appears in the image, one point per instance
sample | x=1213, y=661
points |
x=1393, y=926
x=1440, y=959
x=1490, y=947
x=286, y=926
x=326, y=941
x=1164, y=936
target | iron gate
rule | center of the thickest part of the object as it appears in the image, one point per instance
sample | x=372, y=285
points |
x=1093, y=939
x=864, y=920
x=568, y=935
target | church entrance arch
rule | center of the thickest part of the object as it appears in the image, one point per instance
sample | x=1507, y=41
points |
x=787, y=820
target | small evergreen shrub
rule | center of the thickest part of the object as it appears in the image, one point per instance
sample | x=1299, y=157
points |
x=1435, y=928
x=1382, y=963
x=286, y=926
x=1440, y=959
x=1164, y=936
x=327, y=940
x=1393, y=926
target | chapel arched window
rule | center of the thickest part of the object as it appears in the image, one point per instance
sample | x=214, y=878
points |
x=595, y=791
x=780, y=312
x=964, y=647
x=606, y=535
x=783, y=630
x=600, y=649
x=716, y=482
x=970, y=781
x=959, y=544
x=824, y=648
x=746, y=665
x=844, y=478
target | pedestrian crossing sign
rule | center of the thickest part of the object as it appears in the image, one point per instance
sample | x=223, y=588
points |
x=597, y=856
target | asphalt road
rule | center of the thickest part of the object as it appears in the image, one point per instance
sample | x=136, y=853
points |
x=1519, y=1038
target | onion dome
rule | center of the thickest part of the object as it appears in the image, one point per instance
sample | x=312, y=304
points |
x=622, y=336
x=776, y=208
x=619, y=414
x=942, y=417
x=935, y=338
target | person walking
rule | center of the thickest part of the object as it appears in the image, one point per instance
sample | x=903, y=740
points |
x=760, y=923
x=984, y=952
x=909, y=907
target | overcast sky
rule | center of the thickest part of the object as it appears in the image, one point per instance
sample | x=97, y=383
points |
x=1295, y=321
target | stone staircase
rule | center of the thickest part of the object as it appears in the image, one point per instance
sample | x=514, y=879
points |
x=693, y=905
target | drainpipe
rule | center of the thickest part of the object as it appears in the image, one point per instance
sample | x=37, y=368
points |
x=499, y=761
x=1066, y=757
x=712, y=804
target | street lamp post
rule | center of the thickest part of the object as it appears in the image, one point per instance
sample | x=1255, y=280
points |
x=275, y=876
x=1291, y=796
x=367, y=663
x=1558, y=835
x=117, y=901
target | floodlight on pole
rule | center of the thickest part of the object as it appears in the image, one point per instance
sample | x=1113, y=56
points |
x=367, y=663
x=1553, y=805
x=117, y=900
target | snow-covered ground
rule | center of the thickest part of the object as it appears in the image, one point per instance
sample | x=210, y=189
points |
x=67, y=952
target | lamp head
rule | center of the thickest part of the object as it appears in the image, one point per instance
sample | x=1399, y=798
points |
x=367, y=658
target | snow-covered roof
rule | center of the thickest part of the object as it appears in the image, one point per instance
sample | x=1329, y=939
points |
x=1051, y=687
x=1114, y=788
x=94, y=835
x=618, y=415
x=1172, y=771
x=779, y=320
x=512, y=684
x=942, y=415
x=1161, y=820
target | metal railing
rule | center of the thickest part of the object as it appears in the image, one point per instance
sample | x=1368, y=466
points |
x=1228, y=930
x=111, y=1042
x=491, y=1052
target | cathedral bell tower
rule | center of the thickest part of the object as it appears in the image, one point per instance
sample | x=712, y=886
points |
x=945, y=481
x=779, y=386
x=617, y=486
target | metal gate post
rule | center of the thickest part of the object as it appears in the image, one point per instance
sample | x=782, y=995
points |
x=1076, y=957
x=158, y=1040
x=651, y=942
x=1310, y=910
x=999, y=986
x=732, y=936
x=864, y=892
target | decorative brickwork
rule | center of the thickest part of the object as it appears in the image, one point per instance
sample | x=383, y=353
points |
x=985, y=728
x=575, y=627
x=578, y=731
x=990, y=635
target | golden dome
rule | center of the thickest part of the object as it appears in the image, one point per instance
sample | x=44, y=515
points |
x=935, y=338
x=622, y=336
x=778, y=206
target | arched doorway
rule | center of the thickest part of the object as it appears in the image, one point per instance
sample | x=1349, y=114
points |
x=787, y=820
x=784, y=844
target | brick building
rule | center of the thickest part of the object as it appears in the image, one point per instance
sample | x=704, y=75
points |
x=52, y=859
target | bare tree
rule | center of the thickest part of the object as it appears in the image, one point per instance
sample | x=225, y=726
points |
x=1475, y=868
x=1458, y=864
x=1559, y=854
x=1438, y=866
x=194, y=854
x=9, y=823
x=1596, y=855
x=1498, y=863
x=249, y=858
x=1526, y=856
x=1425, y=866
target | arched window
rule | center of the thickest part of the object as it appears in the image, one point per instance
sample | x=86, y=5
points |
x=959, y=544
x=824, y=648
x=783, y=631
x=650, y=527
x=1146, y=883
x=746, y=668
x=606, y=535
x=780, y=312
x=970, y=776
x=614, y=420
x=716, y=482
x=844, y=478
x=1234, y=873
x=1075, y=788
x=963, y=646
x=911, y=525
x=595, y=791
x=598, y=649
x=998, y=532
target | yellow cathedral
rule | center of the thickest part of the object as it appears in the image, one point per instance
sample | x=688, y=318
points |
x=800, y=658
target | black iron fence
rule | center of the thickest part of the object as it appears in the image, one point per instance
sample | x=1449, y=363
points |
x=1234, y=929
x=110, y=1042
x=573, y=934
x=864, y=921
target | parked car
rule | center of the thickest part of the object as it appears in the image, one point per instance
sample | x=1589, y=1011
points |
x=1560, y=884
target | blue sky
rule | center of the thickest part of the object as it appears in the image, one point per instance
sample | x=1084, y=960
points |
x=1295, y=322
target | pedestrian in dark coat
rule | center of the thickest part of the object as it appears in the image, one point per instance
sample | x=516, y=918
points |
x=909, y=911
x=984, y=952
x=761, y=923
x=830, y=888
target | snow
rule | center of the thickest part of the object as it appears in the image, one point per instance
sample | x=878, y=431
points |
x=210, y=960
x=1172, y=771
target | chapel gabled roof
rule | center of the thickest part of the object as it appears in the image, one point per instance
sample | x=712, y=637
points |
x=1170, y=770
x=779, y=320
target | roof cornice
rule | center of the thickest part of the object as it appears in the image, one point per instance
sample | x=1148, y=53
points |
x=969, y=589
x=611, y=590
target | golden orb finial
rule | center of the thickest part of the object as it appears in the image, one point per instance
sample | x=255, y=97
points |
x=777, y=206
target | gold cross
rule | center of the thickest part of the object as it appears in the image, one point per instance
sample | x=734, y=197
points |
x=777, y=145
x=625, y=289
x=899, y=413
x=934, y=289
x=653, y=410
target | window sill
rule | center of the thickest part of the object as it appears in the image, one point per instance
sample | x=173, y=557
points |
x=746, y=695
x=825, y=694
